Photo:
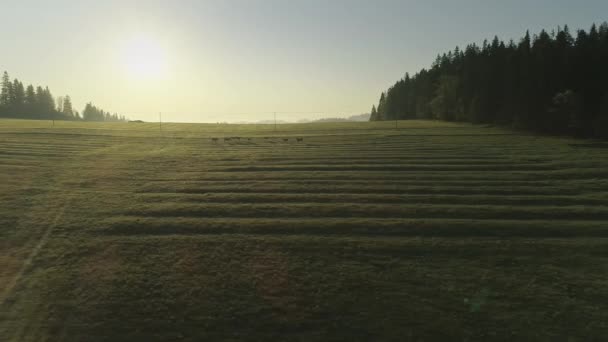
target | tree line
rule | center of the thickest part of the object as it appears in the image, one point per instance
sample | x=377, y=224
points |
x=20, y=102
x=552, y=82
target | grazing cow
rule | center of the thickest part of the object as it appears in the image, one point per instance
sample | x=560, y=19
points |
x=214, y=140
x=285, y=139
x=227, y=139
x=300, y=140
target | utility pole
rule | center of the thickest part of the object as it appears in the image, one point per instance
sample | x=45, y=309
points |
x=275, y=121
x=160, y=121
x=396, y=123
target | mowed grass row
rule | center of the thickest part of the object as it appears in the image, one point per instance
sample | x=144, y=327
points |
x=425, y=168
x=434, y=231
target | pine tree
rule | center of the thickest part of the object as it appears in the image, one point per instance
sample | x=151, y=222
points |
x=552, y=82
x=38, y=103
x=6, y=89
x=6, y=94
x=45, y=104
x=40, y=114
x=59, y=103
x=374, y=114
x=17, y=98
x=30, y=102
x=67, y=107
x=381, y=111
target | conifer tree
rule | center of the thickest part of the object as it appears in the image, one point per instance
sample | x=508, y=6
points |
x=30, y=102
x=18, y=98
x=6, y=93
x=550, y=82
x=67, y=107
x=374, y=114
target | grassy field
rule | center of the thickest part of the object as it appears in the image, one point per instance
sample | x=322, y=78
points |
x=434, y=231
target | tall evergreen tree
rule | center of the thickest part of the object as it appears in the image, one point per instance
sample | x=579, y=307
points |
x=38, y=103
x=17, y=98
x=67, y=107
x=6, y=93
x=40, y=107
x=549, y=82
x=374, y=114
x=30, y=102
x=47, y=104
x=59, y=104
x=6, y=86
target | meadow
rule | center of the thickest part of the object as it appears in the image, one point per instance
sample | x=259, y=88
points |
x=431, y=231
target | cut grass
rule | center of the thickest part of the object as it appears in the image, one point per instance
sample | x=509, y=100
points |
x=436, y=231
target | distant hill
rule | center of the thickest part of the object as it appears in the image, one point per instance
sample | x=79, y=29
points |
x=270, y=122
x=352, y=118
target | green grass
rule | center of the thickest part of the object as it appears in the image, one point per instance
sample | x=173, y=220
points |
x=435, y=231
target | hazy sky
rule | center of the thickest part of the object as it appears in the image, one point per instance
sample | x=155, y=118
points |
x=235, y=60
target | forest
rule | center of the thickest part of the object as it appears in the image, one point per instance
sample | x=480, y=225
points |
x=553, y=82
x=20, y=102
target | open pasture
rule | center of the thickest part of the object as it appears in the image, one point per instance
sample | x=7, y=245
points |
x=360, y=231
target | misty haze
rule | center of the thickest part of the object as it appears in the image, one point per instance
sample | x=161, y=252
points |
x=313, y=170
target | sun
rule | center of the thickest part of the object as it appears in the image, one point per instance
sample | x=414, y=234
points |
x=144, y=58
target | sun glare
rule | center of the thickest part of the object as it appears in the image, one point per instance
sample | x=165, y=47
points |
x=144, y=58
